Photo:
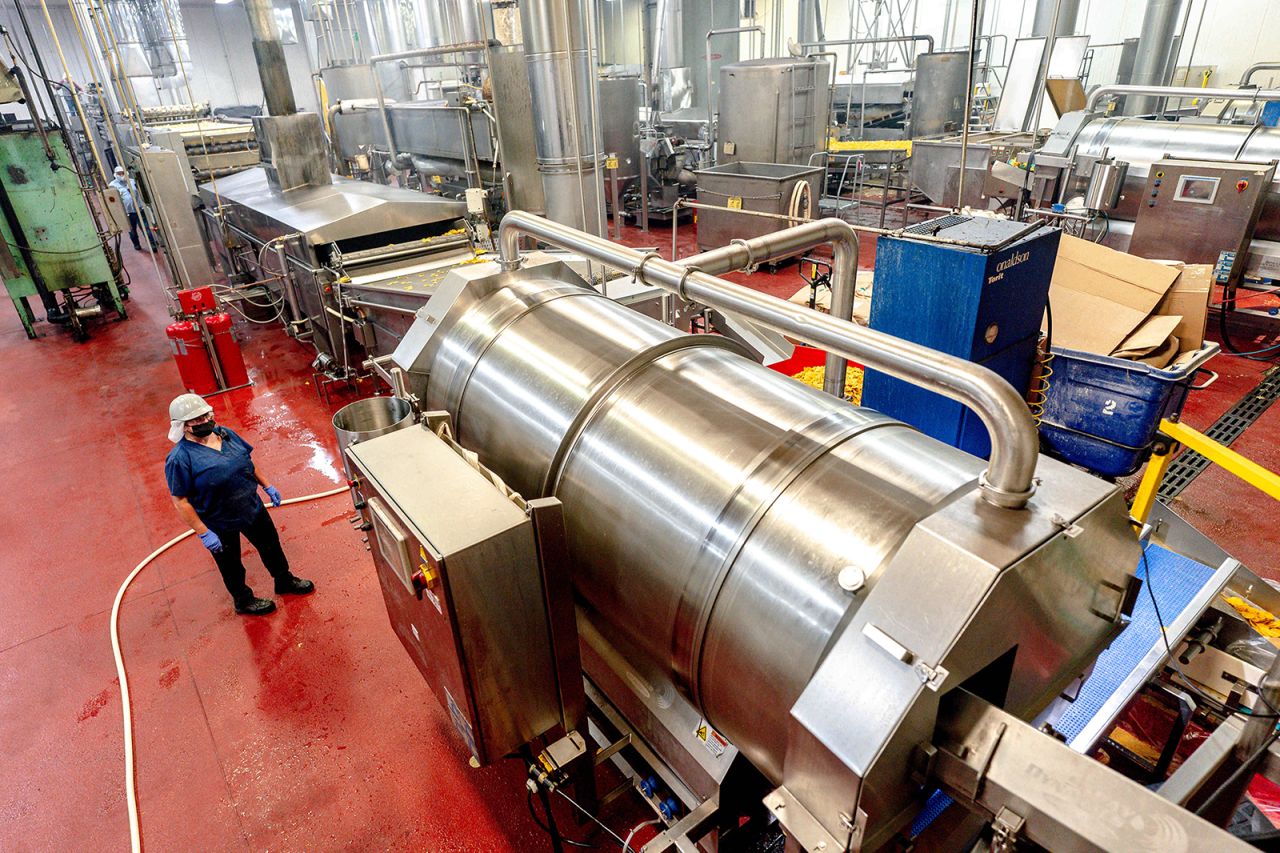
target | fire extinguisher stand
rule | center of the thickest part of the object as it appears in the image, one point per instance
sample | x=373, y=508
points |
x=215, y=358
x=199, y=307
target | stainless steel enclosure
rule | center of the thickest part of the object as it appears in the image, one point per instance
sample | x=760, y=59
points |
x=620, y=99
x=937, y=101
x=773, y=110
x=1140, y=143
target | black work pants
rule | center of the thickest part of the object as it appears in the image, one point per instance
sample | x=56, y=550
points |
x=262, y=535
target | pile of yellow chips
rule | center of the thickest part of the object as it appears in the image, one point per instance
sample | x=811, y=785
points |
x=1262, y=621
x=814, y=377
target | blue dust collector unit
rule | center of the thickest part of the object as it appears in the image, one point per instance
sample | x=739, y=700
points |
x=979, y=295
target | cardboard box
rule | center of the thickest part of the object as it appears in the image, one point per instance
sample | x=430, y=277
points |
x=1100, y=297
x=1189, y=298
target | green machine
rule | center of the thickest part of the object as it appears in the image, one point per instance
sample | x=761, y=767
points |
x=52, y=245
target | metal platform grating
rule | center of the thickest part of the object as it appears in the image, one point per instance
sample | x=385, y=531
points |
x=1178, y=583
x=933, y=226
x=1188, y=465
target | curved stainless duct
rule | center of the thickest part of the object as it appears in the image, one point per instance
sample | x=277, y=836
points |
x=1008, y=480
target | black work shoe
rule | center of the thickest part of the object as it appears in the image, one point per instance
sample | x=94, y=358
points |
x=295, y=586
x=256, y=607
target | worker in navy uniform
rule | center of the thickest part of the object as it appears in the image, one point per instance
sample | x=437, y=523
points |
x=214, y=484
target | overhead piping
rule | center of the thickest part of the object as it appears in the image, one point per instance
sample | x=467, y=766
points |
x=1009, y=479
x=1103, y=92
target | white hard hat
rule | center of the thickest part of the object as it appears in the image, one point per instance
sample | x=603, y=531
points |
x=119, y=170
x=185, y=407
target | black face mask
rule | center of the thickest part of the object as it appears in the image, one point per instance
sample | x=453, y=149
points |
x=203, y=430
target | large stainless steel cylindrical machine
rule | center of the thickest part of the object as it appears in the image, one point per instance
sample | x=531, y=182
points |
x=730, y=530
x=684, y=449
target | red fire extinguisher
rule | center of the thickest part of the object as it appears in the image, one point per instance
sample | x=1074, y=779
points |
x=192, y=357
x=227, y=350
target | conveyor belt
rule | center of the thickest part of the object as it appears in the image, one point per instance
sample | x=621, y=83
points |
x=1184, y=589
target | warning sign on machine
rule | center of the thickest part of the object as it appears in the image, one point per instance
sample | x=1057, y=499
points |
x=715, y=742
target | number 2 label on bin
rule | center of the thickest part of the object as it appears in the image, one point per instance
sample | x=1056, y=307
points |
x=1109, y=407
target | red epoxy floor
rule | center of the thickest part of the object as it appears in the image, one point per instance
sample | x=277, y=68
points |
x=305, y=730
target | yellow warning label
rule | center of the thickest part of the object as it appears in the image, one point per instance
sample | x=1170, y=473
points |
x=715, y=742
x=611, y=163
x=735, y=202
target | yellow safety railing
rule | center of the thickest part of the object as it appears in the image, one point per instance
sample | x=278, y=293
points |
x=1249, y=471
x=838, y=147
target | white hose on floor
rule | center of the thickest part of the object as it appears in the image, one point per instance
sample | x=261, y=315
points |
x=130, y=790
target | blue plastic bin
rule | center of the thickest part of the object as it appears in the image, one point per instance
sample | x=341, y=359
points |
x=1102, y=413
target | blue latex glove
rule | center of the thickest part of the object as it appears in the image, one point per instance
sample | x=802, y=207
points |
x=211, y=541
x=274, y=494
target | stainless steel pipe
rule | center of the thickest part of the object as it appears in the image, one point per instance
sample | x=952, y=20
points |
x=1009, y=478
x=1098, y=94
x=1254, y=69
x=741, y=254
x=927, y=39
x=438, y=50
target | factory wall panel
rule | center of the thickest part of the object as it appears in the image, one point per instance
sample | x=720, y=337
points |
x=222, y=70
x=1232, y=34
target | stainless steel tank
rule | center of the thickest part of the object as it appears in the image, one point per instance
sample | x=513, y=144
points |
x=745, y=492
x=773, y=110
x=369, y=418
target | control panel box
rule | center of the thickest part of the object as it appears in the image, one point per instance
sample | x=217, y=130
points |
x=458, y=563
x=1194, y=210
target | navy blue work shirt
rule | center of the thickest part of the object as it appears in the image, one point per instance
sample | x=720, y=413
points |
x=219, y=483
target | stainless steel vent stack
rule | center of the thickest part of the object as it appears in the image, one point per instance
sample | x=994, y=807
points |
x=277, y=90
x=1155, y=49
x=292, y=145
x=1068, y=14
x=561, y=58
